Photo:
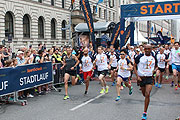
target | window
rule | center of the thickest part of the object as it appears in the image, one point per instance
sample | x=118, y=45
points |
x=9, y=27
x=53, y=29
x=41, y=27
x=111, y=3
x=26, y=26
x=109, y=15
x=99, y=12
x=114, y=17
x=63, y=31
x=52, y=2
x=63, y=3
x=105, y=14
x=40, y=1
x=94, y=9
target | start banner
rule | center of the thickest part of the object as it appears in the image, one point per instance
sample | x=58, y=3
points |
x=24, y=77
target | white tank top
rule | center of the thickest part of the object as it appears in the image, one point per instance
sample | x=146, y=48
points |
x=101, y=62
x=123, y=63
x=114, y=60
x=160, y=59
x=87, y=64
x=175, y=57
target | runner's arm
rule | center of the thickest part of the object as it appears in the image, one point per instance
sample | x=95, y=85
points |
x=77, y=61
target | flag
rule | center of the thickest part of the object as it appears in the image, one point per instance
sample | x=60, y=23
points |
x=100, y=1
x=152, y=30
x=72, y=2
x=172, y=39
x=115, y=33
x=127, y=34
x=89, y=19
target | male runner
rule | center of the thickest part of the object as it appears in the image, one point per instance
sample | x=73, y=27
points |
x=102, y=68
x=161, y=64
x=70, y=65
x=124, y=67
x=144, y=68
x=175, y=57
x=113, y=65
x=87, y=68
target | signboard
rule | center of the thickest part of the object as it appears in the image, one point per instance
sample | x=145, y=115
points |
x=24, y=77
x=151, y=9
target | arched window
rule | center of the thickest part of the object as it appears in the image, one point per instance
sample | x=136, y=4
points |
x=41, y=27
x=53, y=29
x=52, y=2
x=63, y=3
x=9, y=26
x=40, y=1
x=63, y=31
x=26, y=26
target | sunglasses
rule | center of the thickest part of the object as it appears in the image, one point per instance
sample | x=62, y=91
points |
x=122, y=54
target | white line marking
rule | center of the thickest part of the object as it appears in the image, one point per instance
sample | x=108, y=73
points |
x=83, y=104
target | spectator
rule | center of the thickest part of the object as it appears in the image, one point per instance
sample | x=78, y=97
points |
x=20, y=58
x=6, y=54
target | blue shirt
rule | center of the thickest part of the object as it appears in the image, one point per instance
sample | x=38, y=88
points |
x=20, y=61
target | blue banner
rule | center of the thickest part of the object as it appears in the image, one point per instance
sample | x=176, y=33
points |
x=115, y=33
x=7, y=81
x=24, y=77
x=127, y=34
x=89, y=19
x=150, y=9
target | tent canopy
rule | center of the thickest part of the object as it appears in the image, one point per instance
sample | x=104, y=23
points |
x=98, y=27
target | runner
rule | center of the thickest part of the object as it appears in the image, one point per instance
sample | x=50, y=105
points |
x=70, y=65
x=124, y=67
x=87, y=68
x=175, y=57
x=161, y=61
x=143, y=68
x=113, y=65
x=167, y=52
x=102, y=68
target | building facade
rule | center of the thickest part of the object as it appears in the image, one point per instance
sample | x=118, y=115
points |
x=30, y=22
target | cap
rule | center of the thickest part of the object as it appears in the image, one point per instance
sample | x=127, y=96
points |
x=20, y=52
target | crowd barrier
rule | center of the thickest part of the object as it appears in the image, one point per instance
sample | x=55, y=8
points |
x=13, y=80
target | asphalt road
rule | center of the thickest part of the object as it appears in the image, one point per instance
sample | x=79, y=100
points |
x=164, y=105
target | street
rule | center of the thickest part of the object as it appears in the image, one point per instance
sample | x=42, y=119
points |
x=164, y=105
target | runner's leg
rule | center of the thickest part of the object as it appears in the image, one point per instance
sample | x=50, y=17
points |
x=66, y=78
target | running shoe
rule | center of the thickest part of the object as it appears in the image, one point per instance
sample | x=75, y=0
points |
x=176, y=88
x=159, y=86
x=144, y=116
x=121, y=88
x=172, y=84
x=123, y=85
x=78, y=77
x=114, y=83
x=179, y=85
x=85, y=92
x=156, y=85
x=107, y=89
x=130, y=90
x=66, y=97
x=102, y=91
x=118, y=98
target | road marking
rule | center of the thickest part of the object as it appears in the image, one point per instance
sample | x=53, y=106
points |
x=83, y=104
